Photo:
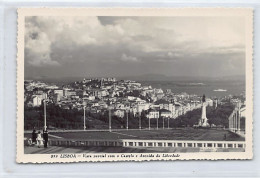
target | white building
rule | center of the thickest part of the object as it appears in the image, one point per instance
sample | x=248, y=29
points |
x=153, y=114
x=37, y=99
x=59, y=92
x=209, y=102
x=243, y=111
x=119, y=106
x=163, y=104
x=119, y=113
x=165, y=113
x=142, y=106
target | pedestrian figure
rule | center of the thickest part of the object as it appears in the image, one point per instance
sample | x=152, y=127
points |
x=225, y=136
x=34, y=136
x=39, y=139
x=30, y=142
x=45, y=138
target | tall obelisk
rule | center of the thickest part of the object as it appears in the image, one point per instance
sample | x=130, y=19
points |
x=203, y=122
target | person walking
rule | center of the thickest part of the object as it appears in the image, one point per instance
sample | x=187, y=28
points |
x=34, y=136
x=39, y=139
x=45, y=138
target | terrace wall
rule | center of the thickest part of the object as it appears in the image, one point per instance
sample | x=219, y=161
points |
x=150, y=143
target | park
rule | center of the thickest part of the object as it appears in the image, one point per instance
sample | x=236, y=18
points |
x=177, y=136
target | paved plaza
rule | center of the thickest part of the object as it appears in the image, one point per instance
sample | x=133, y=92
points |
x=161, y=134
x=145, y=134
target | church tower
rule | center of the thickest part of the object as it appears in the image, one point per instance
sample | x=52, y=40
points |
x=203, y=122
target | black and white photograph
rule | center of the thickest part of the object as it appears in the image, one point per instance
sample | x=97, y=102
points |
x=114, y=85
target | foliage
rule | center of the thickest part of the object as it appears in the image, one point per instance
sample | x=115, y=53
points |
x=217, y=116
x=58, y=118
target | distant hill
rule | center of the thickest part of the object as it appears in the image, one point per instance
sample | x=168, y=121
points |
x=157, y=77
x=144, y=77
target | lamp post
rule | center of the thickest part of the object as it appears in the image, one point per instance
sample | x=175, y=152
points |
x=45, y=125
x=168, y=123
x=149, y=123
x=84, y=108
x=157, y=123
x=140, y=124
x=109, y=115
x=126, y=119
x=163, y=122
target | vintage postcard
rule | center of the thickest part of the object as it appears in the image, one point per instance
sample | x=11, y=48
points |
x=134, y=84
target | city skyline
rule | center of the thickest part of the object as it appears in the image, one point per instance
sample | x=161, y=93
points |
x=134, y=46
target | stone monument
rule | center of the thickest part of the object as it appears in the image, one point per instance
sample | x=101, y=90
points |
x=203, y=122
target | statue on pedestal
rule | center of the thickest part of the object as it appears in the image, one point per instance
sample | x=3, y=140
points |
x=203, y=122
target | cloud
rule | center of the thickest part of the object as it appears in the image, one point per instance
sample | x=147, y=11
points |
x=124, y=57
x=37, y=47
x=170, y=54
x=89, y=41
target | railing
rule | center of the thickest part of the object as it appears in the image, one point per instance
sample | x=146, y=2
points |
x=181, y=143
x=235, y=122
x=150, y=143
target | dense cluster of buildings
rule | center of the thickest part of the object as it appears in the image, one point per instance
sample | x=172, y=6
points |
x=121, y=97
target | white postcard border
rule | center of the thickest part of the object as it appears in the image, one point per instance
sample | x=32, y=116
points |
x=46, y=158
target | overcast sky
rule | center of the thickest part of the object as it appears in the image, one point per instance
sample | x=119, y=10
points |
x=131, y=46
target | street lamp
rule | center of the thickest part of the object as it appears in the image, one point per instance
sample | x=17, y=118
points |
x=149, y=123
x=163, y=122
x=140, y=124
x=168, y=122
x=109, y=112
x=44, y=106
x=109, y=115
x=84, y=108
x=157, y=123
x=127, y=119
